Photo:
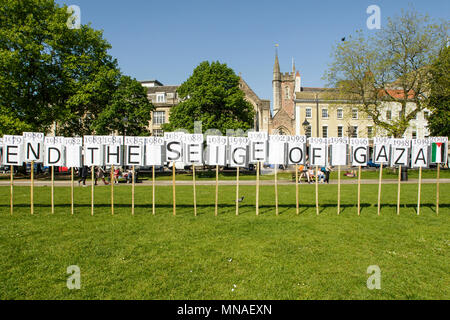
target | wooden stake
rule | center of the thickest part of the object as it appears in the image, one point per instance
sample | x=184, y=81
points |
x=92, y=190
x=418, y=191
x=32, y=188
x=257, y=188
x=112, y=189
x=132, y=190
x=237, y=191
x=71, y=190
x=317, y=191
x=217, y=191
x=339, y=191
x=296, y=189
x=173, y=189
x=11, y=194
x=276, y=190
x=437, y=189
x=153, y=190
x=398, y=188
x=195, y=193
x=53, y=189
x=359, y=190
x=379, y=188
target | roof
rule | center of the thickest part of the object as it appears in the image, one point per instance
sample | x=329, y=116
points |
x=152, y=81
x=166, y=89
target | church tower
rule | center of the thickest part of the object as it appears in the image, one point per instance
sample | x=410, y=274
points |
x=276, y=86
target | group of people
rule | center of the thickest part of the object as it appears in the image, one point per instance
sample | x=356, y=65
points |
x=99, y=174
x=308, y=172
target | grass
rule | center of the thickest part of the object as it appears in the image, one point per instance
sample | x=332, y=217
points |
x=186, y=257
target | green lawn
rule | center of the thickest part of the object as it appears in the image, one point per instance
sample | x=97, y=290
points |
x=186, y=257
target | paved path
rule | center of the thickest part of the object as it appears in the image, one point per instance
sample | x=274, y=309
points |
x=66, y=183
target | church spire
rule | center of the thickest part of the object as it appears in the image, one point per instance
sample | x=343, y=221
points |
x=276, y=66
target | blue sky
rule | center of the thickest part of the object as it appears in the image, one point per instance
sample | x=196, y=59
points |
x=165, y=40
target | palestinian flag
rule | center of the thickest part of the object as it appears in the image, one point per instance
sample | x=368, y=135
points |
x=438, y=150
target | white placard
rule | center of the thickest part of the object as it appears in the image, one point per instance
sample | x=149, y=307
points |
x=73, y=152
x=419, y=153
x=12, y=150
x=258, y=146
x=217, y=150
x=54, y=151
x=317, y=151
x=174, y=146
x=338, y=150
x=93, y=151
x=238, y=151
x=33, y=146
x=360, y=151
x=113, y=150
x=296, y=150
x=381, y=150
x=193, y=148
x=277, y=149
x=399, y=152
x=154, y=151
x=134, y=150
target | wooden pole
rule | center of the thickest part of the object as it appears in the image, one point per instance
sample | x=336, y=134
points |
x=437, y=189
x=359, y=190
x=71, y=190
x=237, y=191
x=153, y=190
x=257, y=188
x=11, y=194
x=112, y=189
x=398, y=188
x=217, y=191
x=276, y=189
x=339, y=191
x=132, y=190
x=173, y=189
x=317, y=191
x=379, y=188
x=195, y=193
x=53, y=189
x=418, y=191
x=92, y=190
x=296, y=189
x=32, y=188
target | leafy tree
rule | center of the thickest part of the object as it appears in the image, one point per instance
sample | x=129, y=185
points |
x=439, y=99
x=211, y=95
x=391, y=66
x=129, y=102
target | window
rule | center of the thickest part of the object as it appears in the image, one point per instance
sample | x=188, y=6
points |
x=355, y=114
x=340, y=113
x=158, y=133
x=159, y=117
x=308, y=132
x=414, y=134
x=354, y=131
x=308, y=113
x=325, y=131
x=160, y=97
x=369, y=132
x=340, y=131
x=389, y=115
x=325, y=113
x=287, y=93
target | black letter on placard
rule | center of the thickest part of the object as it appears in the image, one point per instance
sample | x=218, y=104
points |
x=401, y=154
x=315, y=156
x=301, y=155
x=9, y=153
x=92, y=153
x=132, y=154
x=364, y=155
x=384, y=155
x=189, y=152
x=116, y=154
x=254, y=150
x=421, y=158
x=35, y=154
x=169, y=148
x=49, y=152
x=242, y=157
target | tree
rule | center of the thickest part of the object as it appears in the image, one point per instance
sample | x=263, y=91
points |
x=128, y=102
x=211, y=95
x=439, y=99
x=390, y=67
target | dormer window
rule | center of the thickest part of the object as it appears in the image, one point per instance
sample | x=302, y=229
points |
x=160, y=97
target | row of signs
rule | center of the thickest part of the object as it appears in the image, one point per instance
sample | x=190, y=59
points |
x=220, y=150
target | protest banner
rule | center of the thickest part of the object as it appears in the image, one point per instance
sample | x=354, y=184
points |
x=439, y=154
x=277, y=156
x=238, y=157
x=359, y=153
x=11, y=156
x=318, y=158
x=33, y=150
x=258, y=154
x=380, y=156
x=54, y=155
x=174, y=153
x=154, y=156
x=216, y=155
x=296, y=146
x=338, y=153
x=73, y=158
x=193, y=145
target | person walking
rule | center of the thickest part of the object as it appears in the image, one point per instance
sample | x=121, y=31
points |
x=100, y=174
x=83, y=171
